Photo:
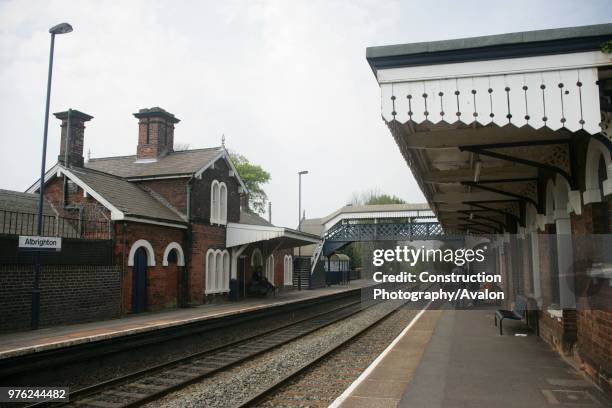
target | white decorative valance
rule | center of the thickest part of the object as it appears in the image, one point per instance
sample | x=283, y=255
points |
x=555, y=99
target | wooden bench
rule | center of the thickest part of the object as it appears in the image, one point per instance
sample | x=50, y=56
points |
x=519, y=313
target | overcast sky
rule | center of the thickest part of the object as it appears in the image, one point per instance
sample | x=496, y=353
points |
x=286, y=81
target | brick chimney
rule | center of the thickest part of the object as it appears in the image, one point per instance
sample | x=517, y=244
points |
x=73, y=132
x=155, y=133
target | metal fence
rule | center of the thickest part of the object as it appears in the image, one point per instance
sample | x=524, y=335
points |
x=23, y=223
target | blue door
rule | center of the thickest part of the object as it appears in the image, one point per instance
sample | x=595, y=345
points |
x=139, y=281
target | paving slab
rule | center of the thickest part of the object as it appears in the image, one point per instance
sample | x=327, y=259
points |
x=467, y=364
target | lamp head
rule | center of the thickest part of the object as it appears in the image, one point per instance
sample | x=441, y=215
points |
x=62, y=28
x=303, y=172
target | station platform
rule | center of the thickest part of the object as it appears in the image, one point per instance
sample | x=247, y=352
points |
x=456, y=359
x=30, y=342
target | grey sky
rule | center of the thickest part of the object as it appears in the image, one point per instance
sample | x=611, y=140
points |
x=286, y=81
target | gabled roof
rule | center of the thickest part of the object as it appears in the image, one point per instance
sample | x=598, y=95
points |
x=124, y=199
x=23, y=203
x=18, y=215
x=375, y=208
x=247, y=217
x=180, y=163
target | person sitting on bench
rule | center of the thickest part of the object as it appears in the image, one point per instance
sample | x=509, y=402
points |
x=260, y=285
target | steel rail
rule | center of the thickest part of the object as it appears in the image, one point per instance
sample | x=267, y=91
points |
x=187, y=369
x=262, y=394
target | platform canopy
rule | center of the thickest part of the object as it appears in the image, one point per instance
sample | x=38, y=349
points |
x=481, y=121
x=278, y=237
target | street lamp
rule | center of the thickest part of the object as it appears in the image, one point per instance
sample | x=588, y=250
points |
x=62, y=28
x=300, y=174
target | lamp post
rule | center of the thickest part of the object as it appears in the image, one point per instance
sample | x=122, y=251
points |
x=300, y=174
x=62, y=28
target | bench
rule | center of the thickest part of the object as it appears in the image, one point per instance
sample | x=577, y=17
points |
x=519, y=313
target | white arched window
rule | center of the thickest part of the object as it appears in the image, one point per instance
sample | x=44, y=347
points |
x=256, y=258
x=288, y=270
x=214, y=202
x=222, y=203
x=218, y=203
x=270, y=268
x=217, y=271
x=226, y=270
x=180, y=257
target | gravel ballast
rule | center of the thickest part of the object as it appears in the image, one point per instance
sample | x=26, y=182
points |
x=233, y=386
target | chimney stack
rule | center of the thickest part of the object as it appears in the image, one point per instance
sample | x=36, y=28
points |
x=155, y=133
x=73, y=132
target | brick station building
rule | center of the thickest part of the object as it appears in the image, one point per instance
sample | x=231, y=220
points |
x=509, y=137
x=179, y=220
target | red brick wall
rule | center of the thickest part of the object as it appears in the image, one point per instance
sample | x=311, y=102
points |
x=162, y=281
x=279, y=256
x=200, y=193
x=279, y=266
x=54, y=192
x=160, y=137
x=173, y=190
x=204, y=237
x=594, y=316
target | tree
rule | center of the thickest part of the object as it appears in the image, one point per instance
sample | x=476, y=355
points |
x=254, y=176
x=373, y=197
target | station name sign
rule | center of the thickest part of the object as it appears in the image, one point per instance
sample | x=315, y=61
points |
x=36, y=243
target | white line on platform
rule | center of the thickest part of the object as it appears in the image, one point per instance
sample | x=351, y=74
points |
x=338, y=401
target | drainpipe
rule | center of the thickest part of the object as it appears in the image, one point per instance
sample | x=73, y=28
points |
x=185, y=301
x=123, y=232
x=66, y=147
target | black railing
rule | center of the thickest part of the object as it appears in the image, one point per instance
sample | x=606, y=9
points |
x=385, y=231
x=22, y=223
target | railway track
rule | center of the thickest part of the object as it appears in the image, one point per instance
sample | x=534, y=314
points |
x=150, y=384
x=263, y=394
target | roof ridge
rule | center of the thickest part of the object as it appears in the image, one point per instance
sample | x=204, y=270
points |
x=171, y=153
x=102, y=173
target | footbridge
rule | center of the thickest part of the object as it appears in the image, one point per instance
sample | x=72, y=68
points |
x=362, y=223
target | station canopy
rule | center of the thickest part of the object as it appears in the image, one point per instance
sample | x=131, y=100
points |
x=478, y=119
x=253, y=229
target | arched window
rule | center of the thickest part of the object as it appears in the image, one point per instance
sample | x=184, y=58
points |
x=226, y=270
x=218, y=203
x=210, y=271
x=217, y=271
x=173, y=254
x=256, y=258
x=222, y=203
x=270, y=269
x=214, y=202
x=288, y=270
